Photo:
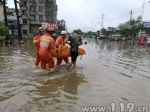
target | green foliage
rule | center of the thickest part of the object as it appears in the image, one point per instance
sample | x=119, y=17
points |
x=132, y=22
x=90, y=33
x=139, y=18
x=110, y=30
x=130, y=28
x=61, y=27
x=140, y=26
x=124, y=31
x=95, y=33
x=134, y=28
x=3, y=31
x=98, y=32
x=104, y=31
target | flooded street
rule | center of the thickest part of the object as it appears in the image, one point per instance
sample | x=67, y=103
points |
x=109, y=72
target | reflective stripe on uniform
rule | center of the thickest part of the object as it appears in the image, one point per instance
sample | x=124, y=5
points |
x=34, y=41
x=45, y=40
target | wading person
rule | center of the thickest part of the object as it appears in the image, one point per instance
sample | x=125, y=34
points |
x=60, y=41
x=75, y=41
x=41, y=33
x=46, y=42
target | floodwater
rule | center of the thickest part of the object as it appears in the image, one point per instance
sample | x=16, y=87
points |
x=109, y=72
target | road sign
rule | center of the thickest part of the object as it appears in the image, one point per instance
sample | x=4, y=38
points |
x=44, y=25
x=49, y=25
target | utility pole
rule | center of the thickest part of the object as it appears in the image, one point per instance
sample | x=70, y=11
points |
x=102, y=22
x=142, y=14
x=5, y=15
x=19, y=28
x=130, y=22
x=143, y=10
x=6, y=23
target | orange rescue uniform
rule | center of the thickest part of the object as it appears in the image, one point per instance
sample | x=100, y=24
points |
x=61, y=42
x=46, y=42
x=37, y=61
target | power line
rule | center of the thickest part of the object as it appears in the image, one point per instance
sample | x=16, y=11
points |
x=125, y=14
x=102, y=20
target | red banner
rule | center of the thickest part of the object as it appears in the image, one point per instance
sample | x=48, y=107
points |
x=52, y=25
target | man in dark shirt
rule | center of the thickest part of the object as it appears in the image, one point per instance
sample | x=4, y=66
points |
x=75, y=41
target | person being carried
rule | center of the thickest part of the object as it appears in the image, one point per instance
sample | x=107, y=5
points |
x=60, y=41
x=75, y=42
x=41, y=33
x=46, y=42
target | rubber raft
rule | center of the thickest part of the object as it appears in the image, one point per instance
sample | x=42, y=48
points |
x=63, y=52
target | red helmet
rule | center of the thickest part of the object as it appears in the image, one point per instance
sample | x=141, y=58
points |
x=41, y=29
x=50, y=29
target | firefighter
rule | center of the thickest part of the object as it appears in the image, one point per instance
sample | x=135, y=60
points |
x=46, y=42
x=61, y=42
x=41, y=32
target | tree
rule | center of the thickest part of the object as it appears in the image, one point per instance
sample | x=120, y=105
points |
x=3, y=31
x=79, y=31
x=124, y=31
x=95, y=33
x=61, y=27
x=111, y=30
x=139, y=18
x=89, y=33
x=140, y=27
x=132, y=22
x=98, y=32
x=132, y=27
x=104, y=31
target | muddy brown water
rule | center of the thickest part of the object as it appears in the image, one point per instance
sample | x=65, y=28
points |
x=109, y=72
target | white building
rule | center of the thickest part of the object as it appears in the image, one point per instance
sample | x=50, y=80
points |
x=61, y=22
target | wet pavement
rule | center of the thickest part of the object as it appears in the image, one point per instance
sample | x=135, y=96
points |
x=109, y=72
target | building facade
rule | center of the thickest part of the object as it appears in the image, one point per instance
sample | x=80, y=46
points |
x=34, y=12
x=61, y=25
x=61, y=22
x=12, y=21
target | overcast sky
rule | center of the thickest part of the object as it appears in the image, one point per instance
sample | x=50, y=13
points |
x=87, y=14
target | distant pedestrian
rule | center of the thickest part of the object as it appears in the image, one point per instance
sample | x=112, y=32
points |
x=75, y=41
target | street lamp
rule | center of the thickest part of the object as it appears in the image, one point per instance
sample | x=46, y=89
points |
x=84, y=28
x=142, y=10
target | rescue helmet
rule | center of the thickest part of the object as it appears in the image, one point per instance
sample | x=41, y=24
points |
x=63, y=33
x=50, y=29
x=41, y=29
